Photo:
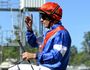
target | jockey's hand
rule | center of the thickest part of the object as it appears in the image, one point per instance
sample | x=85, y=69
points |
x=28, y=21
x=27, y=55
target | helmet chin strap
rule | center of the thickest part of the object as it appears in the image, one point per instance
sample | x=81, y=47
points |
x=50, y=23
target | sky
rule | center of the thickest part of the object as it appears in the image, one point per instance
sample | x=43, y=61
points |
x=76, y=19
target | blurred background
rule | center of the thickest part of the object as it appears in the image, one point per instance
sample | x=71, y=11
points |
x=76, y=18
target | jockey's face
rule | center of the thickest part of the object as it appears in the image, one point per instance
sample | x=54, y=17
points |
x=45, y=20
x=45, y=23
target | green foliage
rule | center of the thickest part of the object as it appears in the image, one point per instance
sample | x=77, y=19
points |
x=30, y=49
x=10, y=52
x=73, y=53
x=86, y=42
x=84, y=56
x=80, y=58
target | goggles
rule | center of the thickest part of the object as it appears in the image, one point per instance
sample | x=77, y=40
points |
x=44, y=16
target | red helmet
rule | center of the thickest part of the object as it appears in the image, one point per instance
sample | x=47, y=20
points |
x=52, y=9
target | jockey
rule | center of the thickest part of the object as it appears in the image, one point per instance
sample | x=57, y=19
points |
x=54, y=51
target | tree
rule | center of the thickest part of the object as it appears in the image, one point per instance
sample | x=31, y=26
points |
x=86, y=48
x=73, y=53
x=12, y=51
x=16, y=31
x=86, y=42
x=78, y=58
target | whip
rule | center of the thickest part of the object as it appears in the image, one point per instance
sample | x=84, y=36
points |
x=23, y=49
